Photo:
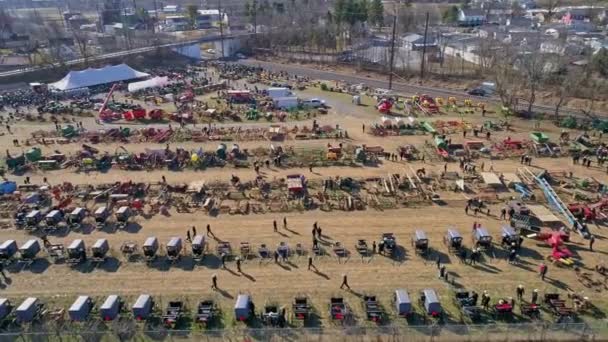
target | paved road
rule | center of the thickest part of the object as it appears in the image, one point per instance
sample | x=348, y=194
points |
x=400, y=87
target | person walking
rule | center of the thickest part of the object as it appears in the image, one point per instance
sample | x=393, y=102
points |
x=284, y=222
x=238, y=265
x=374, y=247
x=188, y=238
x=274, y=225
x=344, y=282
x=543, y=270
x=214, y=282
x=193, y=231
x=534, y=296
x=224, y=260
x=591, y=242
x=209, y=233
x=438, y=262
x=503, y=214
x=276, y=257
x=310, y=265
x=520, y=292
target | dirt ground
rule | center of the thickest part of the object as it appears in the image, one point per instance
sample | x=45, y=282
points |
x=267, y=281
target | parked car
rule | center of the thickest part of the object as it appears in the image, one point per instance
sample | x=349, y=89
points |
x=314, y=103
x=478, y=92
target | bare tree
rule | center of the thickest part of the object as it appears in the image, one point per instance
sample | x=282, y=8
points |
x=506, y=78
x=82, y=43
x=533, y=67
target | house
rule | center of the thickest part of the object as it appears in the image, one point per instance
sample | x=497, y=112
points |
x=176, y=23
x=471, y=17
x=210, y=17
x=171, y=9
x=416, y=42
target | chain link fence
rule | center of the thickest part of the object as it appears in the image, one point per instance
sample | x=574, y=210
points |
x=486, y=332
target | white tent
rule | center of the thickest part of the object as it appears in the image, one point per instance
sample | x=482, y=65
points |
x=155, y=82
x=92, y=77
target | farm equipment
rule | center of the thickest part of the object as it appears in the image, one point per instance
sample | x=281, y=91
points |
x=224, y=248
x=301, y=309
x=76, y=252
x=362, y=248
x=30, y=310
x=420, y=242
x=373, y=311
x=531, y=310
x=453, y=240
x=129, y=250
x=206, y=312
x=173, y=314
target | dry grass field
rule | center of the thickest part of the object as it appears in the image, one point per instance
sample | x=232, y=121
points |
x=268, y=281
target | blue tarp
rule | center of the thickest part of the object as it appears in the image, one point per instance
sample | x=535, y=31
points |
x=8, y=187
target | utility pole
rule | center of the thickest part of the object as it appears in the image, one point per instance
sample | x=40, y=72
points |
x=392, y=59
x=255, y=21
x=155, y=17
x=219, y=10
x=426, y=29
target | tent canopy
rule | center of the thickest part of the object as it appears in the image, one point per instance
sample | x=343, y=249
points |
x=92, y=77
x=155, y=82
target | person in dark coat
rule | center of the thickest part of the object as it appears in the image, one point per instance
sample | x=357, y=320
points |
x=344, y=282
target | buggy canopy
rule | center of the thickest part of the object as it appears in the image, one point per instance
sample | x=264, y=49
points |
x=92, y=77
x=491, y=179
x=543, y=214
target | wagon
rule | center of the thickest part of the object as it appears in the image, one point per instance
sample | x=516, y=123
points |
x=173, y=314
x=224, y=248
x=80, y=309
x=5, y=308
x=390, y=243
x=207, y=310
x=32, y=219
x=76, y=252
x=174, y=249
x=420, y=242
x=481, y=238
x=373, y=311
x=101, y=216
x=198, y=246
x=503, y=309
x=453, y=240
x=142, y=309
x=52, y=219
x=8, y=249
x=338, y=309
x=122, y=217
x=509, y=237
x=272, y=315
x=29, y=250
x=100, y=249
x=467, y=303
x=403, y=305
x=283, y=250
x=301, y=308
x=530, y=310
x=362, y=247
x=29, y=310
x=150, y=248
x=243, y=308
x=110, y=308
x=76, y=217
x=430, y=302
